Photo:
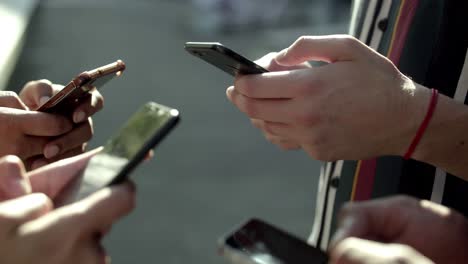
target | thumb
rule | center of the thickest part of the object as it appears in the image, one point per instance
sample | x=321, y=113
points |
x=329, y=49
x=36, y=93
x=13, y=182
x=25, y=208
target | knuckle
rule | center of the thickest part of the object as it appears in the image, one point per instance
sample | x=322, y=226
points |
x=306, y=118
x=10, y=98
x=243, y=85
x=249, y=107
x=59, y=126
x=44, y=82
x=403, y=201
x=349, y=42
x=12, y=165
x=302, y=40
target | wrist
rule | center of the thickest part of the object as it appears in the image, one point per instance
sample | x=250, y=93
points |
x=414, y=102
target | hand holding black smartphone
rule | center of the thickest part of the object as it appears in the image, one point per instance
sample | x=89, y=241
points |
x=123, y=152
x=223, y=58
x=257, y=242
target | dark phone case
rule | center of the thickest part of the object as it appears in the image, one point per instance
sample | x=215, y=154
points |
x=66, y=101
x=70, y=193
x=223, y=58
x=140, y=156
x=283, y=246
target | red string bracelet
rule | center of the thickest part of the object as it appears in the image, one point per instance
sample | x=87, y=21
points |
x=424, y=124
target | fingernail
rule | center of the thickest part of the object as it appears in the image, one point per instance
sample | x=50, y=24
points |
x=229, y=91
x=79, y=117
x=51, y=151
x=43, y=100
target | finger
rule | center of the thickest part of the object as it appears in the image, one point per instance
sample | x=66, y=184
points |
x=92, y=104
x=275, y=110
x=321, y=48
x=108, y=205
x=381, y=219
x=11, y=99
x=269, y=62
x=82, y=133
x=35, y=93
x=24, y=209
x=13, y=180
x=52, y=178
x=279, y=85
x=359, y=251
x=30, y=146
x=89, y=216
x=40, y=160
x=283, y=143
x=38, y=124
x=288, y=131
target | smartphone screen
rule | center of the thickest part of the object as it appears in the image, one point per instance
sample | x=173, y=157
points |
x=123, y=152
x=257, y=242
x=223, y=58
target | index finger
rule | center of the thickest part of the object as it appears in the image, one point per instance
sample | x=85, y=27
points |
x=52, y=178
x=34, y=123
x=278, y=85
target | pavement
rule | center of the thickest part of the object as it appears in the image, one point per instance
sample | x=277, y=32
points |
x=215, y=170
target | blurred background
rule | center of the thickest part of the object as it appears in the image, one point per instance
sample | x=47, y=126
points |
x=215, y=170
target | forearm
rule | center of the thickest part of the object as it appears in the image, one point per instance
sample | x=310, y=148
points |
x=445, y=142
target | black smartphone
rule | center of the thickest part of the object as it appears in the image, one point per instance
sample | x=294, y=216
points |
x=223, y=58
x=257, y=242
x=123, y=152
x=67, y=99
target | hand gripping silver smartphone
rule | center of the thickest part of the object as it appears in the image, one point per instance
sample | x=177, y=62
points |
x=257, y=242
x=123, y=152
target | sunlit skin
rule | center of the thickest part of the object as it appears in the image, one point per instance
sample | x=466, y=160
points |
x=32, y=231
x=399, y=228
x=357, y=106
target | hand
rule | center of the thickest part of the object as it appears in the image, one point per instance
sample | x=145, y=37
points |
x=26, y=133
x=346, y=109
x=435, y=231
x=36, y=93
x=30, y=232
x=268, y=62
x=360, y=251
x=50, y=179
